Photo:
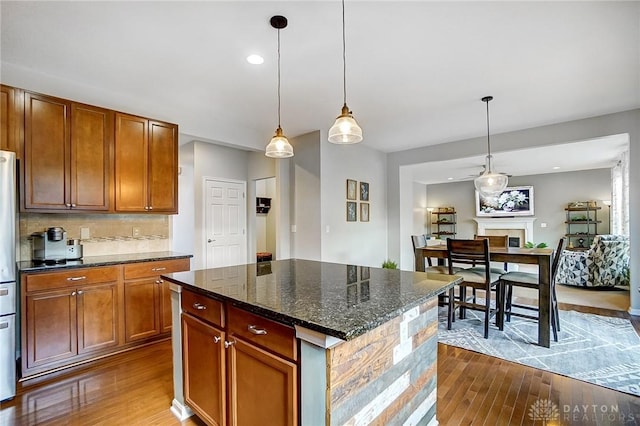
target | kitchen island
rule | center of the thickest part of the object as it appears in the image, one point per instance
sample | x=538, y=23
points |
x=306, y=342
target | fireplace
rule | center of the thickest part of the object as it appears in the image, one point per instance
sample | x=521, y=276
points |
x=519, y=229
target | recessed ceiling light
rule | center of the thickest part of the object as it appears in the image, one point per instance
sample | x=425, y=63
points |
x=449, y=178
x=556, y=167
x=255, y=59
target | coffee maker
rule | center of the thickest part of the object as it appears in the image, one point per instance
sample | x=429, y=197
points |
x=49, y=247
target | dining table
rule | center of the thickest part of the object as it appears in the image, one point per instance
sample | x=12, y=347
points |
x=532, y=256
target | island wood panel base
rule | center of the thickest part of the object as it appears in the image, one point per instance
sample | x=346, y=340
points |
x=388, y=375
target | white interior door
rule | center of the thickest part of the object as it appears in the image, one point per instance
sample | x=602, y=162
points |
x=225, y=223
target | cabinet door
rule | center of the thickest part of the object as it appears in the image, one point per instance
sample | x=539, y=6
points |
x=97, y=316
x=51, y=327
x=131, y=165
x=46, y=152
x=163, y=167
x=262, y=386
x=204, y=360
x=10, y=116
x=141, y=309
x=91, y=144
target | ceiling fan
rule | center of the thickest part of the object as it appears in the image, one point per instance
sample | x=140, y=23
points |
x=475, y=175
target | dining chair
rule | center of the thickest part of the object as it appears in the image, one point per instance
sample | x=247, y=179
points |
x=499, y=241
x=531, y=280
x=473, y=252
x=419, y=241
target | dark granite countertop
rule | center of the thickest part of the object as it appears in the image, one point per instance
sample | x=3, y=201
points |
x=343, y=301
x=91, y=261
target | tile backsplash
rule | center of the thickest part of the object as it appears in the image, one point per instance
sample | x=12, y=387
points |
x=107, y=233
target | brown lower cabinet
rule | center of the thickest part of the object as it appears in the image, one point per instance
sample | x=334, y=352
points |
x=69, y=315
x=76, y=315
x=147, y=299
x=239, y=368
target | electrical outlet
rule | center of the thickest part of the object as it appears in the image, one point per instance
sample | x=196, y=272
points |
x=85, y=234
x=136, y=231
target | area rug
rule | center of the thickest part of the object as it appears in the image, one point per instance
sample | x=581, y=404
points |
x=601, y=350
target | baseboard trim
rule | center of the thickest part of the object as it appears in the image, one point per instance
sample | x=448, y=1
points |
x=634, y=312
x=182, y=412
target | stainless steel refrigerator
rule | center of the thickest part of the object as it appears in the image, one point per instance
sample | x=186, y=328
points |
x=8, y=248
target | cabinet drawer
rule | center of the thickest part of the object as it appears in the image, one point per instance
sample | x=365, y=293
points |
x=151, y=269
x=270, y=335
x=74, y=277
x=202, y=307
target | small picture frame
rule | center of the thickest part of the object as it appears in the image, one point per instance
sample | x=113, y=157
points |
x=364, y=191
x=352, y=186
x=352, y=211
x=364, y=212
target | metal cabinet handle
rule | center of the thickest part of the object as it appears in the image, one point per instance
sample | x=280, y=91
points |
x=227, y=345
x=160, y=281
x=73, y=293
x=199, y=307
x=67, y=205
x=216, y=339
x=76, y=278
x=80, y=292
x=73, y=205
x=158, y=269
x=150, y=207
x=258, y=331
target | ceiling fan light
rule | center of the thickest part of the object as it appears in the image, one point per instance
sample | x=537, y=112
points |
x=345, y=130
x=279, y=146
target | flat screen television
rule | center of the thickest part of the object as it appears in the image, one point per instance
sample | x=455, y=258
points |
x=513, y=201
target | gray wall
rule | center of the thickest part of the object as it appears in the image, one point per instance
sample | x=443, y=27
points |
x=363, y=243
x=551, y=192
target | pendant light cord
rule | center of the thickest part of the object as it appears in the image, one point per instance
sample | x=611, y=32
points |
x=488, y=140
x=278, y=77
x=344, y=58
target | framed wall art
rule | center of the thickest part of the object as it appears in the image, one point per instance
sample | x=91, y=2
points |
x=352, y=211
x=514, y=201
x=352, y=189
x=364, y=191
x=364, y=212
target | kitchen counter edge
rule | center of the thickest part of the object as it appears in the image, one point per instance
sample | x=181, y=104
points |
x=97, y=261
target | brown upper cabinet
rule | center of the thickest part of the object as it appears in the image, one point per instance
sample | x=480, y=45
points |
x=68, y=155
x=146, y=165
x=11, y=116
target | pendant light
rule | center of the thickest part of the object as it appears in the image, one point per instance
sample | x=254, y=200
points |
x=490, y=184
x=345, y=130
x=279, y=147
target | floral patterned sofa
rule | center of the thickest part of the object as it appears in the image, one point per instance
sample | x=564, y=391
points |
x=605, y=264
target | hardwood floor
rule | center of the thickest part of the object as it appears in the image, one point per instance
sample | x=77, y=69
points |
x=135, y=388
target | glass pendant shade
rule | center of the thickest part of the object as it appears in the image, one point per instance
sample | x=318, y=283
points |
x=490, y=184
x=279, y=147
x=345, y=130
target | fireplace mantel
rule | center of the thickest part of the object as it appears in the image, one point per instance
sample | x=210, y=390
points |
x=525, y=223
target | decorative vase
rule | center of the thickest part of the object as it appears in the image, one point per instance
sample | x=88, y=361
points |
x=507, y=208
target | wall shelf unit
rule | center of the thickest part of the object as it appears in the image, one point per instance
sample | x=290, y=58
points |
x=582, y=224
x=444, y=219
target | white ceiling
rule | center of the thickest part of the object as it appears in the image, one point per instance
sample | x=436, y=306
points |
x=416, y=70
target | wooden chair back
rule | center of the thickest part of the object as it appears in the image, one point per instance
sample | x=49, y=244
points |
x=501, y=241
x=556, y=260
x=469, y=252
